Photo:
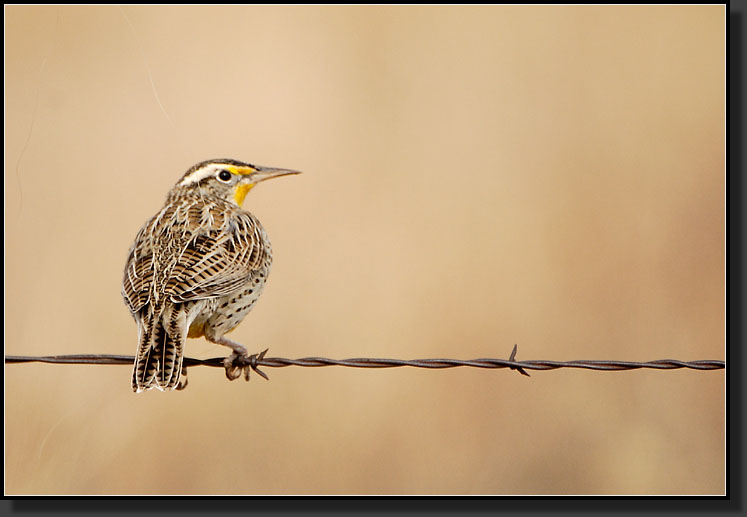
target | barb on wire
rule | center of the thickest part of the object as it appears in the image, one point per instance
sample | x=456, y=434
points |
x=279, y=362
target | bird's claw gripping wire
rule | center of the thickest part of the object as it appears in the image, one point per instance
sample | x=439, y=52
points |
x=235, y=364
x=512, y=358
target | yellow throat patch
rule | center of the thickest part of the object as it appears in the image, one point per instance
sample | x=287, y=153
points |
x=241, y=192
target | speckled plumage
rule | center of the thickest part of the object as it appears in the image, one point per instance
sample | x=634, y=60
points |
x=196, y=268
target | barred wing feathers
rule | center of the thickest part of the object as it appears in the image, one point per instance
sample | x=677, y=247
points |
x=194, y=262
x=217, y=263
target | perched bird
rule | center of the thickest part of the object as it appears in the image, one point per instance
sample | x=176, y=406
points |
x=196, y=269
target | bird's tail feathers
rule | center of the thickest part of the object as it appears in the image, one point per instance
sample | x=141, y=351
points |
x=158, y=363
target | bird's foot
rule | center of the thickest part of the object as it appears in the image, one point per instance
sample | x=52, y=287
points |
x=235, y=364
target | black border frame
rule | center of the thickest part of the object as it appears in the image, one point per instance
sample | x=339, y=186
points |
x=732, y=502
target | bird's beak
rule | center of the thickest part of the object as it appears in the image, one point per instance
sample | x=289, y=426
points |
x=266, y=173
x=254, y=175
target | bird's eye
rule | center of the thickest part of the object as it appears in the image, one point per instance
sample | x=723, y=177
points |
x=224, y=176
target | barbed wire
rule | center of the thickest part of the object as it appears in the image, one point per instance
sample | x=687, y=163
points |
x=257, y=360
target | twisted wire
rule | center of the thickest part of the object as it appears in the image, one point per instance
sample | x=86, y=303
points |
x=314, y=362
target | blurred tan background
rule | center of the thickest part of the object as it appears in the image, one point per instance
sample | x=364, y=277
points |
x=474, y=177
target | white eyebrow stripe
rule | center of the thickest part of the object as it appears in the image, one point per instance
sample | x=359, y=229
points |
x=200, y=174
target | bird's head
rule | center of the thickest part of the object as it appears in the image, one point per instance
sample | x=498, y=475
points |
x=228, y=179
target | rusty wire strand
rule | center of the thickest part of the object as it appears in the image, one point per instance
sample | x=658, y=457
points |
x=279, y=362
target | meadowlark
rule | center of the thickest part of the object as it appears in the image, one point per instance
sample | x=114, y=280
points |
x=196, y=269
